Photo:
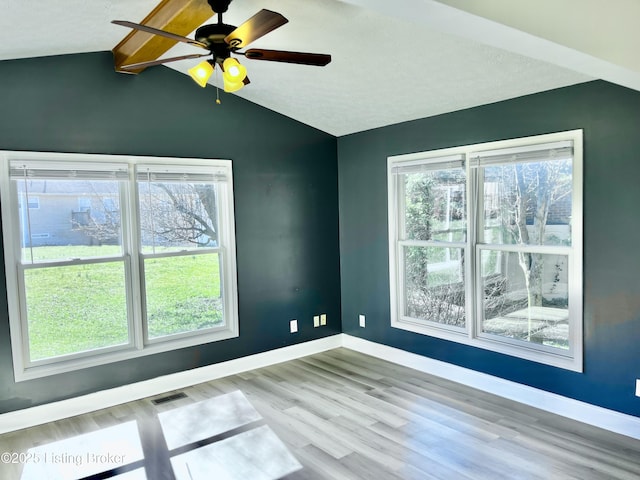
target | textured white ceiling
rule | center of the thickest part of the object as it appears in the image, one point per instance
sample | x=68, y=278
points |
x=36, y=28
x=392, y=61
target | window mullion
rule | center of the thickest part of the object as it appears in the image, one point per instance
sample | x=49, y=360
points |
x=130, y=243
x=179, y=253
x=473, y=228
x=432, y=243
x=545, y=249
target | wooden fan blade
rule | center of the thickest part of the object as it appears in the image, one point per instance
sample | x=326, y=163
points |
x=260, y=24
x=138, y=66
x=316, y=59
x=157, y=31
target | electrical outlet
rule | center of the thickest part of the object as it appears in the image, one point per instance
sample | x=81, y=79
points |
x=638, y=387
x=323, y=319
x=293, y=326
x=316, y=320
x=362, y=320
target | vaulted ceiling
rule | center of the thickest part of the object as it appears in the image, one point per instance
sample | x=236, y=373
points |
x=392, y=61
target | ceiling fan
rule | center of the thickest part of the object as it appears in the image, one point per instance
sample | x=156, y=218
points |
x=222, y=40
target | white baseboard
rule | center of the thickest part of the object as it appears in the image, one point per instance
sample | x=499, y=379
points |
x=550, y=402
x=583, y=412
x=51, y=412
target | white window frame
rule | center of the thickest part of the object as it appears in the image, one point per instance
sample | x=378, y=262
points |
x=138, y=345
x=571, y=359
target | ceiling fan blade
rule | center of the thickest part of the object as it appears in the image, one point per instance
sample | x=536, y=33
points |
x=157, y=31
x=260, y=24
x=138, y=66
x=317, y=59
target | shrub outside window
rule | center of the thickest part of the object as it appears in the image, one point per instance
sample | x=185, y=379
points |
x=503, y=269
x=118, y=229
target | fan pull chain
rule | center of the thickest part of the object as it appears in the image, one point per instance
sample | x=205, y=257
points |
x=218, y=102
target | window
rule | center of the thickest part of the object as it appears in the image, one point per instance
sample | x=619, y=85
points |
x=485, y=246
x=139, y=257
x=84, y=204
x=179, y=255
x=34, y=203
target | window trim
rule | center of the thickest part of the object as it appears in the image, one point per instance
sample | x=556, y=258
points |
x=136, y=346
x=471, y=335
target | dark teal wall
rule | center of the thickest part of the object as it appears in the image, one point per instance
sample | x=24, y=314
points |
x=286, y=202
x=610, y=117
x=286, y=187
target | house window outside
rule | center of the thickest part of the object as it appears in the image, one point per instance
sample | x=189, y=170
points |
x=501, y=271
x=34, y=202
x=84, y=204
x=144, y=229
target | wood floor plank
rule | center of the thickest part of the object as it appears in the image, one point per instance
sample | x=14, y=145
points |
x=461, y=413
x=592, y=459
x=326, y=465
x=418, y=452
x=357, y=403
x=344, y=415
x=354, y=381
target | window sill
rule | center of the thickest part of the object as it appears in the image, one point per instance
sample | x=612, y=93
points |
x=522, y=351
x=44, y=370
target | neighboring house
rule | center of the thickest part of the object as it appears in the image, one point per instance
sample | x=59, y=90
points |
x=62, y=212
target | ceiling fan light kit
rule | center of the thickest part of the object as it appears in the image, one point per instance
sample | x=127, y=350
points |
x=222, y=40
x=230, y=87
x=233, y=75
x=201, y=72
x=233, y=70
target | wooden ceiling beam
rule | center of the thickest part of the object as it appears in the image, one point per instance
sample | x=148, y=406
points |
x=176, y=16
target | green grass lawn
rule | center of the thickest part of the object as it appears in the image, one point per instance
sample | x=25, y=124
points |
x=83, y=307
x=183, y=294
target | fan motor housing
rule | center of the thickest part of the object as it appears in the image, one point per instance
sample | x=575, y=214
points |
x=219, y=6
x=213, y=36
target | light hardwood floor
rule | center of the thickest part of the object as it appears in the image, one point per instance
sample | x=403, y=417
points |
x=345, y=415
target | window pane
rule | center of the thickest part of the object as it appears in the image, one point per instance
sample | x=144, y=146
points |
x=59, y=228
x=526, y=297
x=183, y=294
x=76, y=308
x=177, y=216
x=434, y=284
x=528, y=203
x=435, y=205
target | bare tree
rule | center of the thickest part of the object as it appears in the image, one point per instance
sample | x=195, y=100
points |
x=175, y=213
x=532, y=191
x=100, y=220
x=103, y=228
x=170, y=214
x=518, y=205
